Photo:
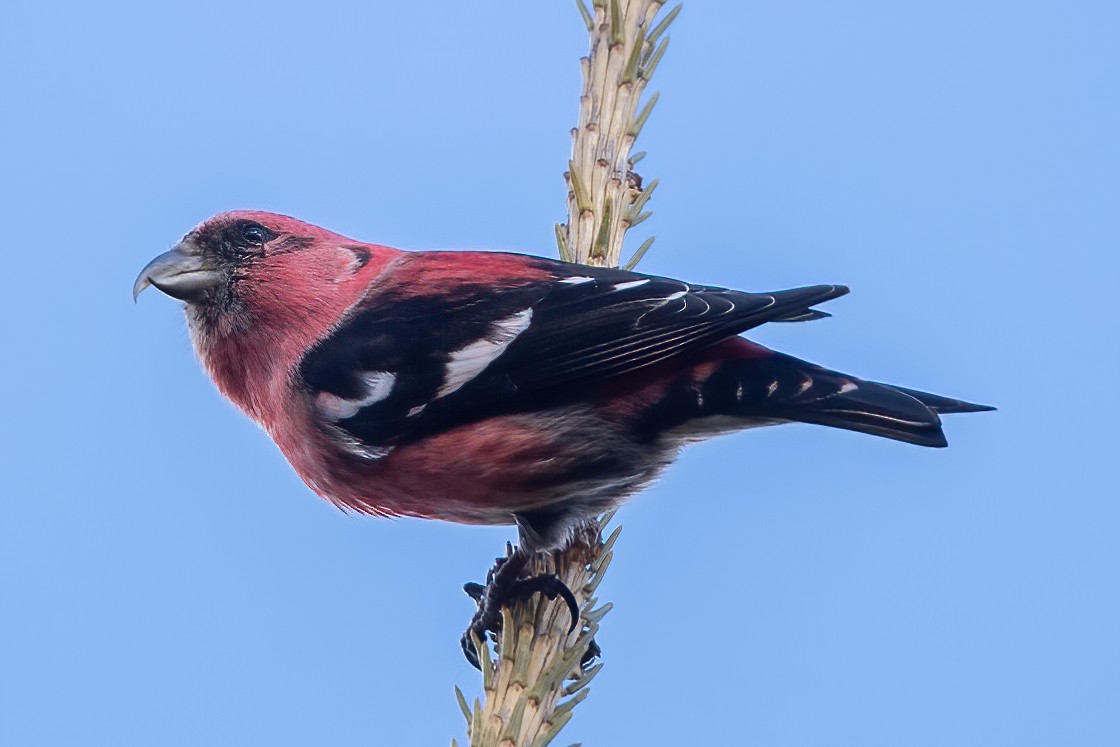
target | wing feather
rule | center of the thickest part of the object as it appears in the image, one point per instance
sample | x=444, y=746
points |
x=541, y=337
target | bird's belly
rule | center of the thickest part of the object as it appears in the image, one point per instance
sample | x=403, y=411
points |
x=485, y=472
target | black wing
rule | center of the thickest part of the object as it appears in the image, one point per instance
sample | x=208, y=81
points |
x=615, y=322
x=402, y=367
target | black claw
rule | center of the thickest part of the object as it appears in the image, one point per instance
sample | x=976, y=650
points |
x=474, y=590
x=502, y=588
x=469, y=650
x=551, y=586
x=498, y=564
x=593, y=652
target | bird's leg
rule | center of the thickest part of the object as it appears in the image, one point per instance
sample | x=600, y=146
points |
x=477, y=591
x=504, y=586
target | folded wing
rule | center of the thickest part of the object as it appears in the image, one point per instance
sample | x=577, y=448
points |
x=406, y=364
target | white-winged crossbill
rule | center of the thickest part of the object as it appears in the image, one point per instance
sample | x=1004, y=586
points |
x=490, y=388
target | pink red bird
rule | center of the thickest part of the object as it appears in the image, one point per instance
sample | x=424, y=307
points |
x=489, y=388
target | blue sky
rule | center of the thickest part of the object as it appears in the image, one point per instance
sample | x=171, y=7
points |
x=166, y=578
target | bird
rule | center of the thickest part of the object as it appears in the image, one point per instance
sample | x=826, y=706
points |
x=496, y=388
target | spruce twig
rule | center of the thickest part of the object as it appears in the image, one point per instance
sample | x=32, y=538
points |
x=605, y=196
x=533, y=676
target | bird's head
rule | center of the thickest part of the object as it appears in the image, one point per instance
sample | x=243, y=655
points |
x=244, y=267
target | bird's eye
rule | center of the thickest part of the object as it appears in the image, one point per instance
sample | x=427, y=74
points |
x=253, y=234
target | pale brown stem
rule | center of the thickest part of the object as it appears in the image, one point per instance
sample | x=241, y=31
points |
x=532, y=676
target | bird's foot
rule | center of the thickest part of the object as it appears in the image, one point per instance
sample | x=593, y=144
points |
x=504, y=587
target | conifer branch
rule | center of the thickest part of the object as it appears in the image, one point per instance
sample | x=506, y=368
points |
x=535, y=672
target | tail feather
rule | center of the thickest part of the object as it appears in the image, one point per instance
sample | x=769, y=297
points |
x=876, y=409
x=943, y=405
x=803, y=392
x=761, y=386
x=779, y=388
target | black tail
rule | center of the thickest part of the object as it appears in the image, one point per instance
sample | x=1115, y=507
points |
x=783, y=388
x=786, y=388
